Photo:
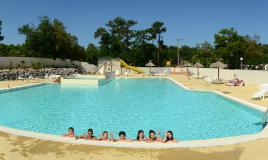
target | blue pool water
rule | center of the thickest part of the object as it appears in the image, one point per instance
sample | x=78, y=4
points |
x=129, y=105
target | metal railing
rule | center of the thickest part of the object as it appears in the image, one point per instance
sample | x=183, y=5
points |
x=99, y=68
x=265, y=118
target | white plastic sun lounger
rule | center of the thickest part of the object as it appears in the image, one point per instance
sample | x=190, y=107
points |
x=199, y=77
x=210, y=80
x=264, y=87
x=263, y=90
x=165, y=73
x=20, y=78
x=260, y=94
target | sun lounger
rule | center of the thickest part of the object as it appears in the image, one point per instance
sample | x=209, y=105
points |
x=259, y=94
x=235, y=83
x=199, y=77
x=20, y=78
x=263, y=91
x=263, y=87
x=220, y=81
x=214, y=80
x=31, y=77
x=165, y=73
x=210, y=80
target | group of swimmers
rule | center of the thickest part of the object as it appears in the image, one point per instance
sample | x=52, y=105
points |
x=122, y=136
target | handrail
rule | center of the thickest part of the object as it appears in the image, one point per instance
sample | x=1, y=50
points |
x=265, y=118
x=99, y=68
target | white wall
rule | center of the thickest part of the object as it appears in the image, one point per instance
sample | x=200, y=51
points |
x=249, y=76
x=6, y=62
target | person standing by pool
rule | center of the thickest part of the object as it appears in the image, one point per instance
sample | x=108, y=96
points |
x=105, y=136
x=70, y=133
x=152, y=137
x=169, y=137
x=89, y=135
x=122, y=137
x=140, y=136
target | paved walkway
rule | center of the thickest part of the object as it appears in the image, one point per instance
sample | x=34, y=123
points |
x=22, y=148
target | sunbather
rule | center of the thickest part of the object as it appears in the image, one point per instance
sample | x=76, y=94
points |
x=235, y=82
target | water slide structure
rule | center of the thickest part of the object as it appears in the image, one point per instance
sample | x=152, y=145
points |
x=135, y=69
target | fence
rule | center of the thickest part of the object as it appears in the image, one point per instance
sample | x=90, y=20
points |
x=10, y=62
x=249, y=76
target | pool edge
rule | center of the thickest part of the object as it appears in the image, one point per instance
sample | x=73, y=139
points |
x=181, y=144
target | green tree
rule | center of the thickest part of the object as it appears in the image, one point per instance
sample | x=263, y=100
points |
x=230, y=46
x=186, y=53
x=118, y=39
x=156, y=30
x=10, y=50
x=105, y=41
x=92, y=54
x=121, y=28
x=172, y=55
x=142, y=50
x=49, y=39
x=204, y=53
x=265, y=49
x=1, y=37
x=254, y=50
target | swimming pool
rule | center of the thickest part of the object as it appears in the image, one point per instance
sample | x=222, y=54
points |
x=129, y=105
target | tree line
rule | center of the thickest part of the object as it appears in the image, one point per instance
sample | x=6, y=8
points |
x=118, y=38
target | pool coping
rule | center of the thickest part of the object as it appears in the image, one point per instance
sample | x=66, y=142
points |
x=4, y=90
x=180, y=144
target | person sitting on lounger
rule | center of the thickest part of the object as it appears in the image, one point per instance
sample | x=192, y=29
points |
x=89, y=135
x=152, y=137
x=140, y=136
x=105, y=137
x=169, y=137
x=70, y=132
x=122, y=137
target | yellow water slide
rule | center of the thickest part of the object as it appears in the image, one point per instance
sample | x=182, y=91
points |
x=135, y=69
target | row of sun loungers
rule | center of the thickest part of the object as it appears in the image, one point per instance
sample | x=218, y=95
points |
x=164, y=73
x=260, y=94
x=215, y=80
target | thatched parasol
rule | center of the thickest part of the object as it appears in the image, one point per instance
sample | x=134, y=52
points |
x=150, y=64
x=198, y=65
x=218, y=65
x=187, y=65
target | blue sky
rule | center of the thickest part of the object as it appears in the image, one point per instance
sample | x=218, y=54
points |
x=194, y=21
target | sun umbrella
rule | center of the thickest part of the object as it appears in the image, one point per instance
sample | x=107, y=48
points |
x=198, y=65
x=218, y=65
x=150, y=64
x=187, y=65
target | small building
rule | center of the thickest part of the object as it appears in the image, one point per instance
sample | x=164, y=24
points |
x=108, y=64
